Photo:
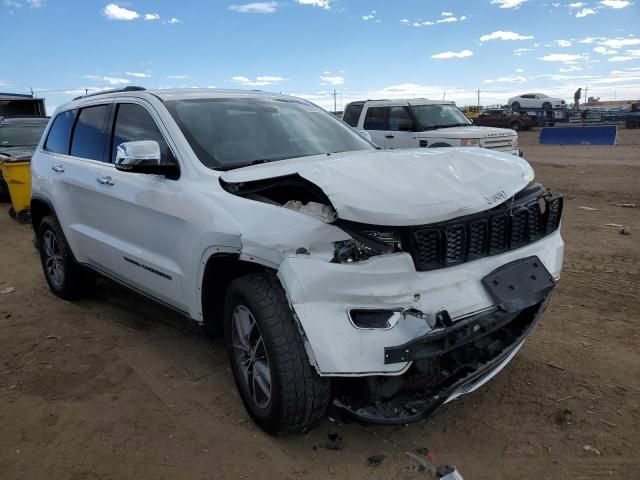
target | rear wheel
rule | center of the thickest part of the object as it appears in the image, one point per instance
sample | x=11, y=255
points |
x=546, y=106
x=631, y=124
x=515, y=125
x=279, y=387
x=515, y=106
x=65, y=277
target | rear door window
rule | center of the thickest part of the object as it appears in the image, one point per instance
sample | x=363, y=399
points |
x=352, y=114
x=89, y=133
x=134, y=123
x=377, y=118
x=60, y=133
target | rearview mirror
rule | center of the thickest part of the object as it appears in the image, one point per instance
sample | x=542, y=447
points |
x=143, y=157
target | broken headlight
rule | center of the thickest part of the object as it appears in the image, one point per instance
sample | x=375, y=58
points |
x=366, y=244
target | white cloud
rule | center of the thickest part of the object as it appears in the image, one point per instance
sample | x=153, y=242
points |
x=137, y=74
x=177, y=77
x=114, y=12
x=370, y=16
x=563, y=57
x=447, y=14
x=501, y=35
x=172, y=21
x=332, y=80
x=519, y=70
x=151, y=16
x=449, y=54
x=326, y=4
x=508, y=3
x=615, y=3
x=259, y=81
x=563, y=43
x=447, y=20
x=620, y=42
x=517, y=79
x=404, y=20
x=589, y=40
x=571, y=68
x=518, y=52
x=576, y=5
x=35, y=3
x=629, y=55
x=604, y=50
x=584, y=12
x=116, y=81
x=255, y=7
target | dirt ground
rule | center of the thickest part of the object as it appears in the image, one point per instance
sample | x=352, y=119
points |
x=115, y=387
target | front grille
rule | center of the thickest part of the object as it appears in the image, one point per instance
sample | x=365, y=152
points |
x=492, y=232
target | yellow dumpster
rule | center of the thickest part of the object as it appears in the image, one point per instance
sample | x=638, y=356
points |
x=18, y=178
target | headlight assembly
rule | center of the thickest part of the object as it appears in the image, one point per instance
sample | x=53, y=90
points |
x=366, y=244
x=470, y=142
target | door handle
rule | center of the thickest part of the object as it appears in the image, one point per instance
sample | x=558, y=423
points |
x=106, y=180
x=58, y=168
x=389, y=136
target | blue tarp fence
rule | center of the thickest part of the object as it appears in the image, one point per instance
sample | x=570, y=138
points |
x=588, y=135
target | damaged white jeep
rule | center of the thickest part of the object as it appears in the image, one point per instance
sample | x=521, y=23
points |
x=384, y=282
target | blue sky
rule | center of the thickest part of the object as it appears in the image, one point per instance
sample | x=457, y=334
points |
x=363, y=49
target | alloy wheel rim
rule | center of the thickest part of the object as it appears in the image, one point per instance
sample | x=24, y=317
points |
x=251, y=356
x=54, y=263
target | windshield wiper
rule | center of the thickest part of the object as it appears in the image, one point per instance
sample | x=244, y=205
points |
x=257, y=161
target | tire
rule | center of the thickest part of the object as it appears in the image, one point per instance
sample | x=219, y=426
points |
x=515, y=106
x=516, y=126
x=12, y=212
x=65, y=277
x=546, y=106
x=297, y=397
x=630, y=124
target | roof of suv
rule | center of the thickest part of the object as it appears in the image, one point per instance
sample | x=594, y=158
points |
x=403, y=102
x=23, y=120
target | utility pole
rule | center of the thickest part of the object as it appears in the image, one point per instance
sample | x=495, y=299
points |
x=335, y=101
x=586, y=94
x=478, y=100
x=444, y=94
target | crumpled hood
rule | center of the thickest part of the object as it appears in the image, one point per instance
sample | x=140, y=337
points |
x=404, y=187
x=471, y=131
x=17, y=153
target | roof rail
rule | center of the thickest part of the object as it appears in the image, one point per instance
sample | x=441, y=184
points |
x=130, y=88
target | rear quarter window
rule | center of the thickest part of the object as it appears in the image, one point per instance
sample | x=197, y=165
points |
x=352, y=114
x=60, y=133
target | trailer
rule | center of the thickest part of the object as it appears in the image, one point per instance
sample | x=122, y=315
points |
x=21, y=105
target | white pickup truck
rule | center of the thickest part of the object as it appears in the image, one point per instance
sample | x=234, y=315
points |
x=424, y=123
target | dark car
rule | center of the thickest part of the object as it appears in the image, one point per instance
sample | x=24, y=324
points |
x=19, y=137
x=506, y=119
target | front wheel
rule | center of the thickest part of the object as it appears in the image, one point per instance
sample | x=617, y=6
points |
x=546, y=106
x=515, y=106
x=65, y=277
x=515, y=126
x=279, y=387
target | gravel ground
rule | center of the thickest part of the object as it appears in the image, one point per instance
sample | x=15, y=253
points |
x=115, y=387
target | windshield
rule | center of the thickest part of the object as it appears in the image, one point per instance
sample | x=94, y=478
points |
x=229, y=133
x=439, y=116
x=21, y=135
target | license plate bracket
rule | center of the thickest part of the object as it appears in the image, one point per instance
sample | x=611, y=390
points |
x=519, y=284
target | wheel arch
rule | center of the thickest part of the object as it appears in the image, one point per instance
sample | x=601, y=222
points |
x=40, y=207
x=439, y=144
x=219, y=269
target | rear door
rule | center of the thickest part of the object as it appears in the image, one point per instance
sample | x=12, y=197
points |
x=376, y=122
x=401, y=131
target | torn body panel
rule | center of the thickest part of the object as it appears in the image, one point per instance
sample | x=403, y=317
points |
x=322, y=294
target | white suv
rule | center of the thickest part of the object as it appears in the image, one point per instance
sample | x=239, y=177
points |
x=421, y=123
x=388, y=282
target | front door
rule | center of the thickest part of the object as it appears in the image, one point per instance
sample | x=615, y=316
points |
x=401, y=131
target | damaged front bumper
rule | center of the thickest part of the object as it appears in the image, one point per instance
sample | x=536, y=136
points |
x=473, y=351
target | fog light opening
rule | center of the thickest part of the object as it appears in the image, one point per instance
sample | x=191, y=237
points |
x=374, y=318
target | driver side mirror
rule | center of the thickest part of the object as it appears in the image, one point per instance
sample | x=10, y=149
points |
x=366, y=135
x=144, y=157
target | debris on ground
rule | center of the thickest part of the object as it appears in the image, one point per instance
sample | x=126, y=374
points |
x=626, y=205
x=558, y=367
x=563, y=417
x=617, y=225
x=7, y=290
x=334, y=442
x=588, y=209
x=625, y=231
x=443, y=472
x=375, y=460
x=589, y=448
